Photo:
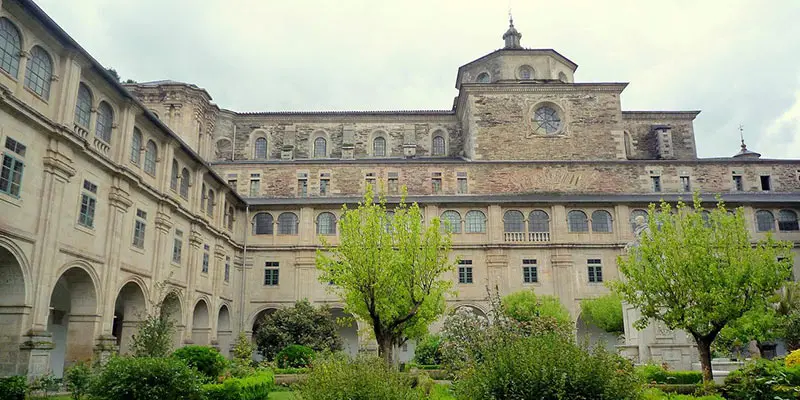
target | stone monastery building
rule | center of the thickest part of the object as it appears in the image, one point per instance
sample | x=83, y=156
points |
x=115, y=198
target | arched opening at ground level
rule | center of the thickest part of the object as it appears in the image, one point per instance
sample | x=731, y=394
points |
x=347, y=329
x=257, y=321
x=171, y=308
x=224, y=333
x=13, y=313
x=593, y=336
x=72, y=320
x=130, y=309
x=201, y=324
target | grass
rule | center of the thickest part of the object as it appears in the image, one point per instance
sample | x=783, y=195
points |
x=281, y=396
x=439, y=392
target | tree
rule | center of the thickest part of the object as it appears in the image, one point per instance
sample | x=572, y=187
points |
x=154, y=335
x=604, y=312
x=525, y=306
x=113, y=73
x=699, y=271
x=301, y=324
x=389, y=269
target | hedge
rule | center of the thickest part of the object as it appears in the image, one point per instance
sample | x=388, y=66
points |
x=254, y=387
x=656, y=374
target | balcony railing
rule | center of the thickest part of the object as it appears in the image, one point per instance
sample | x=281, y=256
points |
x=80, y=131
x=102, y=146
x=527, y=236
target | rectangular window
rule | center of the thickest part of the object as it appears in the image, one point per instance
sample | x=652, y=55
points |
x=11, y=175
x=139, y=229
x=766, y=185
x=271, y=273
x=738, y=184
x=393, y=183
x=205, y=259
x=227, y=269
x=88, y=204
x=302, y=184
x=370, y=180
x=461, y=178
x=15, y=146
x=595, y=270
x=255, y=187
x=324, y=183
x=232, y=183
x=686, y=184
x=656, y=180
x=530, y=271
x=464, y=271
x=177, y=246
x=436, y=182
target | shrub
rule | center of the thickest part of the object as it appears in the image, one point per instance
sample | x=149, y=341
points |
x=605, y=312
x=301, y=324
x=154, y=336
x=657, y=374
x=525, y=306
x=363, y=378
x=655, y=394
x=243, y=349
x=77, y=378
x=254, y=387
x=204, y=359
x=793, y=359
x=761, y=380
x=13, y=388
x=294, y=356
x=145, y=378
x=548, y=367
x=428, y=350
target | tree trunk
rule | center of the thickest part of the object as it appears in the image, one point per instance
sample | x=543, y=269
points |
x=704, y=347
x=385, y=348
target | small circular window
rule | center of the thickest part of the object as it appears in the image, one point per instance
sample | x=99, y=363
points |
x=483, y=77
x=525, y=72
x=546, y=120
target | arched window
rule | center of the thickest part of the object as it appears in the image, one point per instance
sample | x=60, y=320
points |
x=260, y=152
x=10, y=47
x=538, y=221
x=39, y=72
x=526, y=72
x=326, y=224
x=210, y=205
x=185, y=177
x=483, y=77
x=287, y=224
x=438, y=146
x=320, y=147
x=83, y=108
x=230, y=218
x=105, y=117
x=562, y=77
x=136, y=146
x=150, y=157
x=577, y=221
x=513, y=221
x=451, y=221
x=262, y=223
x=601, y=221
x=475, y=222
x=173, y=179
x=379, y=147
x=765, y=222
x=202, y=197
x=787, y=220
x=637, y=213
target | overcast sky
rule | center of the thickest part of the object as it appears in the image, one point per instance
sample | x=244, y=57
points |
x=736, y=60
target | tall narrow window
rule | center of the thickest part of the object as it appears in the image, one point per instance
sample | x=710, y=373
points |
x=738, y=183
x=686, y=184
x=324, y=183
x=577, y=221
x=227, y=276
x=185, y=177
x=320, y=147
x=595, y=270
x=379, y=147
x=105, y=118
x=262, y=224
x=210, y=204
x=393, y=183
x=205, y=259
x=230, y=218
x=601, y=221
x=39, y=72
x=765, y=222
x=513, y=221
x=136, y=146
x=787, y=220
x=766, y=183
x=203, y=198
x=150, y=155
x=438, y=146
x=287, y=224
x=464, y=271
x=255, y=185
x=461, y=181
x=177, y=246
x=139, y=229
x=10, y=47
x=271, y=273
x=261, y=149
x=83, y=107
x=370, y=180
x=475, y=222
x=173, y=179
x=11, y=175
x=302, y=184
x=88, y=204
x=451, y=221
x=326, y=224
x=530, y=271
x=656, y=182
x=436, y=182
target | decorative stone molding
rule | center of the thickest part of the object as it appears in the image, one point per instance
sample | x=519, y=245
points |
x=58, y=163
x=219, y=252
x=119, y=198
x=195, y=239
x=163, y=222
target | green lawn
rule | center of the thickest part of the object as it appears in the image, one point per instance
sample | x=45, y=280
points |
x=281, y=396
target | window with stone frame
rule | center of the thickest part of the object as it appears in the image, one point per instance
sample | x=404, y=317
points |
x=205, y=259
x=88, y=204
x=136, y=146
x=177, y=246
x=210, y=204
x=379, y=147
x=436, y=182
x=601, y=221
x=10, y=47
x=260, y=150
x=13, y=167
x=538, y=221
x=139, y=228
x=39, y=72
x=83, y=106
x=271, y=273
x=461, y=183
x=230, y=218
x=324, y=183
x=530, y=271
x=263, y=224
x=451, y=221
x=787, y=221
x=255, y=185
x=104, y=123
x=765, y=221
x=577, y=221
x=320, y=147
x=185, y=180
x=173, y=179
x=302, y=184
x=465, y=271
x=393, y=185
x=150, y=156
x=513, y=221
x=227, y=275
x=438, y=148
x=287, y=223
x=686, y=184
x=475, y=222
x=326, y=224
x=656, y=183
x=595, y=270
x=738, y=183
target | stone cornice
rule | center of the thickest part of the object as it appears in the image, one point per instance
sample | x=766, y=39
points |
x=645, y=115
x=119, y=198
x=345, y=117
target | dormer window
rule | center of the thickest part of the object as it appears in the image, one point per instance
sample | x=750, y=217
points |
x=483, y=77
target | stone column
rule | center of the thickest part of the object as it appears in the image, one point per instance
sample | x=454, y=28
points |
x=494, y=224
x=163, y=224
x=120, y=201
x=563, y=278
x=558, y=223
x=307, y=227
x=68, y=95
x=195, y=251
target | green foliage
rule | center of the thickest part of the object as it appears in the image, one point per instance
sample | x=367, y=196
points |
x=428, y=350
x=253, y=387
x=13, y=387
x=763, y=380
x=77, y=377
x=44, y=385
x=243, y=348
x=656, y=374
x=146, y=378
x=154, y=336
x=294, y=356
x=699, y=274
x=655, y=394
x=547, y=367
x=605, y=312
x=793, y=359
x=362, y=378
x=526, y=306
x=301, y=324
x=204, y=359
x=791, y=330
x=389, y=269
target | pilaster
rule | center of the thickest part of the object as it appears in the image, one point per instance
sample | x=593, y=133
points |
x=68, y=94
x=120, y=202
x=494, y=227
x=163, y=224
x=497, y=270
x=195, y=254
x=563, y=277
x=305, y=268
x=306, y=228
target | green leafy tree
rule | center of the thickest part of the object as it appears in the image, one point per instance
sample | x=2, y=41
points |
x=77, y=378
x=761, y=324
x=243, y=349
x=301, y=324
x=698, y=272
x=389, y=269
x=525, y=306
x=154, y=335
x=604, y=312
